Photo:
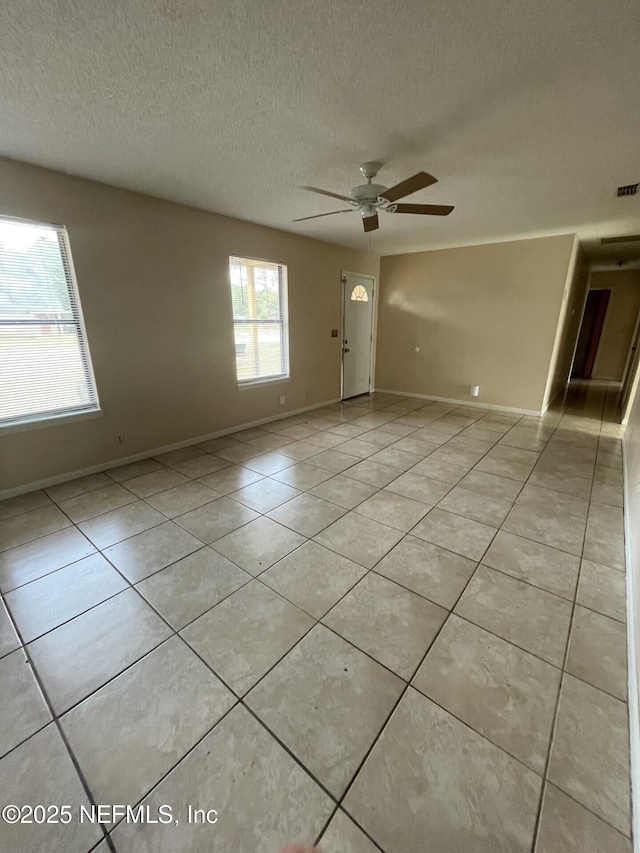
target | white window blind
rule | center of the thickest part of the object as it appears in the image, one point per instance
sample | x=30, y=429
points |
x=259, y=297
x=45, y=366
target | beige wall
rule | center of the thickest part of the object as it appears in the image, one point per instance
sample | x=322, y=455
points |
x=485, y=315
x=569, y=323
x=619, y=321
x=153, y=281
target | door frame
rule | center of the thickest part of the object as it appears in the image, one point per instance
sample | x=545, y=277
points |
x=633, y=346
x=596, y=334
x=374, y=326
x=575, y=346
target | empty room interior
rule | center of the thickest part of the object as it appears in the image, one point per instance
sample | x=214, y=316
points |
x=319, y=427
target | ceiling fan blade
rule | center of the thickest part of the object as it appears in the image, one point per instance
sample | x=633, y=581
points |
x=317, y=215
x=432, y=209
x=411, y=185
x=327, y=192
x=371, y=222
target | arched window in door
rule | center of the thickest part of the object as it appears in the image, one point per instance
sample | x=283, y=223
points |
x=359, y=294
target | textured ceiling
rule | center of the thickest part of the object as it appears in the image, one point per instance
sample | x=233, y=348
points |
x=527, y=111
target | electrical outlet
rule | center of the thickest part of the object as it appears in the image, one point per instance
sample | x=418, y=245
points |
x=281, y=400
x=119, y=437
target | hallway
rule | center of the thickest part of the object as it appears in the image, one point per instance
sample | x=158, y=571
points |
x=380, y=623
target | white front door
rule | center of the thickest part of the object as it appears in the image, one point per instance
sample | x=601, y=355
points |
x=357, y=296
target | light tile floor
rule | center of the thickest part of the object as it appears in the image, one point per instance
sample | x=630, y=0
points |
x=389, y=624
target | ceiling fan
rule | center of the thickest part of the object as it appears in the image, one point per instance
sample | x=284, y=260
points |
x=369, y=198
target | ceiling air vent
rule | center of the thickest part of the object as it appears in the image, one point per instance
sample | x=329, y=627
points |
x=628, y=238
x=629, y=189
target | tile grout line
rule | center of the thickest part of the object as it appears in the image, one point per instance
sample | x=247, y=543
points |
x=56, y=722
x=132, y=585
x=332, y=474
x=240, y=699
x=143, y=499
x=211, y=544
x=545, y=777
x=167, y=467
x=395, y=707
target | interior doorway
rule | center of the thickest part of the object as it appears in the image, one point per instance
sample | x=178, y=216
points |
x=590, y=332
x=357, y=334
x=631, y=367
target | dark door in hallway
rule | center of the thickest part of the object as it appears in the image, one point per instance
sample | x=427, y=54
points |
x=590, y=332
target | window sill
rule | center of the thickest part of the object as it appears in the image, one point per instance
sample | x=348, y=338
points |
x=259, y=383
x=54, y=420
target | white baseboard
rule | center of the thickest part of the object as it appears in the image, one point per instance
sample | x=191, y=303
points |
x=492, y=406
x=155, y=451
x=632, y=664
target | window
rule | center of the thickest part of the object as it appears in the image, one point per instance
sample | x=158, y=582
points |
x=45, y=367
x=259, y=296
x=359, y=294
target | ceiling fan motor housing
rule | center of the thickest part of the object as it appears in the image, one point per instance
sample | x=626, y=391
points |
x=367, y=193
